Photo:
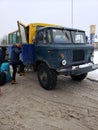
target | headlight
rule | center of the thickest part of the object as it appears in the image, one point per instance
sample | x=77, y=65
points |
x=92, y=58
x=63, y=62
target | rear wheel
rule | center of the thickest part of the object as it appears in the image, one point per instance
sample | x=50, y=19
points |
x=79, y=77
x=46, y=77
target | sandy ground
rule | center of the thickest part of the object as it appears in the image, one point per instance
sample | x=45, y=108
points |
x=70, y=106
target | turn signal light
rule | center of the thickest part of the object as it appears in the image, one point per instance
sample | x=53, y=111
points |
x=62, y=56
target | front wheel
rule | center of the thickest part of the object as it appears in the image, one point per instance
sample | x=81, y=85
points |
x=46, y=77
x=79, y=77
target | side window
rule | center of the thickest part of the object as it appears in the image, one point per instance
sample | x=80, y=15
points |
x=40, y=37
x=22, y=31
x=44, y=36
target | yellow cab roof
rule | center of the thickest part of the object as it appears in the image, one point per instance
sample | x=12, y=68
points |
x=42, y=24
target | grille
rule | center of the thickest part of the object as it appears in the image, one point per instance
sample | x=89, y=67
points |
x=78, y=55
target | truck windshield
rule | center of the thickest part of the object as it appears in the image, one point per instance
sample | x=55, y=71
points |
x=68, y=36
x=78, y=37
x=61, y=36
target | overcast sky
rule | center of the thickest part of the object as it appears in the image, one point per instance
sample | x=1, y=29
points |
x=85, y=13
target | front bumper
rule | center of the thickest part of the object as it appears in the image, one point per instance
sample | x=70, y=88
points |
x=77, y=70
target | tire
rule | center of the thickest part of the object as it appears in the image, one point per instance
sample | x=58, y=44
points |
x=47, y=77
x=2, y=78
x=79, y=77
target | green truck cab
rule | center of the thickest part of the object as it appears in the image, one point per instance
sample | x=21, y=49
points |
x=60, y=51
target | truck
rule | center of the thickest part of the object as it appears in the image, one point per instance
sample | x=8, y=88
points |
x=54, y=50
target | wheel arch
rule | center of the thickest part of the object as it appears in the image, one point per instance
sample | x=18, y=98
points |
x=38, y=62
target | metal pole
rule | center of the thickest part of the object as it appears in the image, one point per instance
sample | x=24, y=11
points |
x=72, y=13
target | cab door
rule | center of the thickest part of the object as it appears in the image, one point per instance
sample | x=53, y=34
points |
x=22, y=31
